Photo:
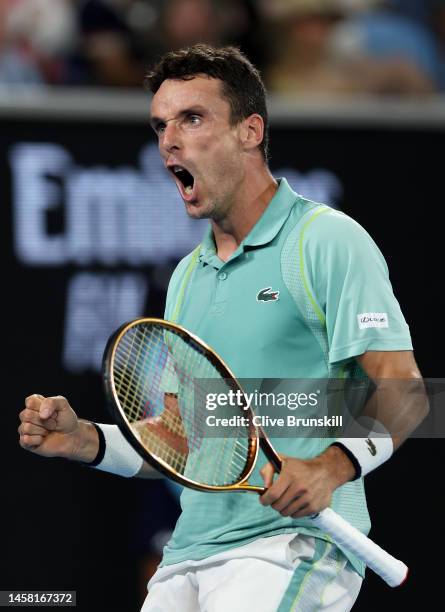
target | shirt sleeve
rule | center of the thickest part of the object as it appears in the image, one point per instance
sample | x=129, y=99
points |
x=350, y=281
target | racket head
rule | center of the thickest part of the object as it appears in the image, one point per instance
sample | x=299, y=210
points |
x=145, y=358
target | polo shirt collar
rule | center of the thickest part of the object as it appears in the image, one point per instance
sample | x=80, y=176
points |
x=265, y=229
x=273, y=218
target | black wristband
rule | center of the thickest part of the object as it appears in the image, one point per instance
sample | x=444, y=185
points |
x=352, y=458
x=101, y=451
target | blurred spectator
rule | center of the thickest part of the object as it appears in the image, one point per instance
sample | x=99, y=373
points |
x=186, y=22
x=388, y=35
x=109, y=51
x=35, y=37
x=322, y=46
x=16, y=66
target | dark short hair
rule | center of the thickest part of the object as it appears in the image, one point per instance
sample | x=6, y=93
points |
x=242, y=85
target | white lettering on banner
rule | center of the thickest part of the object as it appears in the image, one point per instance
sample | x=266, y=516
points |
x=97, y=305
x=112, y=216
x=34, y=194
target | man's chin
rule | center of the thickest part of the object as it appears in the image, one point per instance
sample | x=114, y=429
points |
x=196, y=211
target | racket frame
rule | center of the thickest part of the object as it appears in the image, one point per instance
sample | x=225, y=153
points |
x=120, y=418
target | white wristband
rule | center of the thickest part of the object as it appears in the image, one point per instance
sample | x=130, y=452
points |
x=371, y=447
x=119, y=456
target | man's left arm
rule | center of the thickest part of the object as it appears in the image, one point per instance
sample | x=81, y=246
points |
x=399, y=404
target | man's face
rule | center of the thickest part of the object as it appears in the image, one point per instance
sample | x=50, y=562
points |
x=199, y=146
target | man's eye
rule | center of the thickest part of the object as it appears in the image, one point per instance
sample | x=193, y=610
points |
x=194, y=119
x=159, y=128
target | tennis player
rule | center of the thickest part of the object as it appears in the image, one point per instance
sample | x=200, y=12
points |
x=280, y=287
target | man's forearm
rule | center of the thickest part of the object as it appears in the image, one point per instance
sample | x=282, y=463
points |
x=400, y=402
x=399, y=405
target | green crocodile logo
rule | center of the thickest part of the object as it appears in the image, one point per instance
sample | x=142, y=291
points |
x=267, y=295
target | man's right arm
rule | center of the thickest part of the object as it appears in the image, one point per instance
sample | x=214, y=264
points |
x=49, y=427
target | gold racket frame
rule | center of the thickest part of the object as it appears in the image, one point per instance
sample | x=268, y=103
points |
x=126, y=428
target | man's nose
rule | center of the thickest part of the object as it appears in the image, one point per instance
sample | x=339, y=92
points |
x=170, y=137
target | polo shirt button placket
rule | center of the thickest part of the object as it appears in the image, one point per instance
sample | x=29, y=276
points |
x=222, y=276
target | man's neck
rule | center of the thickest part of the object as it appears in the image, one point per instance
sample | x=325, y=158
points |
x=252, y=200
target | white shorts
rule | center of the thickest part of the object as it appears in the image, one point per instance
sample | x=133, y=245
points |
x=281, y=573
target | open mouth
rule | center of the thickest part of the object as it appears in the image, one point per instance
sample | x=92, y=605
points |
x=185, y=179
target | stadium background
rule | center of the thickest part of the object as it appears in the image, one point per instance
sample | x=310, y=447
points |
x=78, y=260
x=92, y=228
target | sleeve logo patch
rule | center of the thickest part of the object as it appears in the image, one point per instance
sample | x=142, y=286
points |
x=372, y=319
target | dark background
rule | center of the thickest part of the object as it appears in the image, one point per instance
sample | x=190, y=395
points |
x=71, y=528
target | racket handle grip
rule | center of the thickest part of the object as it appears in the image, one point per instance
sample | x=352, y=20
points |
x=393, y=571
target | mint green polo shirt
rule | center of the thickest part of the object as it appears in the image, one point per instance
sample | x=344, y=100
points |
x=332, y=301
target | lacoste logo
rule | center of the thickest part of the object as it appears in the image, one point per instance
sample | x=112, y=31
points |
x=267, y=295
x=371, y=447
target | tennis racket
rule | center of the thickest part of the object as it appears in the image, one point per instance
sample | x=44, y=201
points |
x=153, y=376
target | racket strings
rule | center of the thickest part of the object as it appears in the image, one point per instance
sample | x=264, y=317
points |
x=157, y=378
x=151, y=439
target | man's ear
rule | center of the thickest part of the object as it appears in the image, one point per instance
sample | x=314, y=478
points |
x=252, y=131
